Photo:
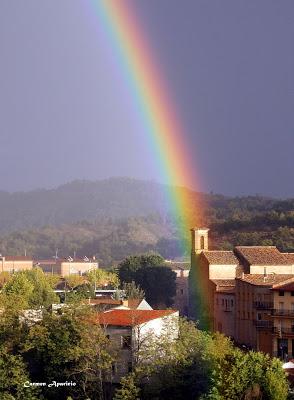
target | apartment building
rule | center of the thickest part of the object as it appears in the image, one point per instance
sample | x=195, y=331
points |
x=15, y=263
x=241, y=291
x=67, y=266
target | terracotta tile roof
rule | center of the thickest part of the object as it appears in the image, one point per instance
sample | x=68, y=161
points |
x=224, y=285
x=287, y=287
x=130, y=317
x=268, y=280
x=219, y=257
x=102, y=301
x=18, y=258
x=224, y=282
x=263, y=255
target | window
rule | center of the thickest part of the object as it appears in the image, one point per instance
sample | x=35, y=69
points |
x=259, y=316
x=182, y=291
x=202, y=242
x=126, y=342
x=223, y=302
x=232, y=303
x=292, y=293
x=281, y=293
x=113, y=368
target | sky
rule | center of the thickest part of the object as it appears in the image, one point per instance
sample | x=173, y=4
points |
x=66, y=114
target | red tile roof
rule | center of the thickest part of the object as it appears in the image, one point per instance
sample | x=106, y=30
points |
x=131, y=317
x=268, y=280
x=264, y=255
x=285, y=287
x=18, y=258
x=220, y=257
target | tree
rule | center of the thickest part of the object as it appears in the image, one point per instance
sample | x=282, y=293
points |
x=159, y=285
x=130, y=265
x=199, y=365
x=128, y=389
x=69, y=346
x=132, y=291
x=100, y=278
x=13, y=375
x=149, y=272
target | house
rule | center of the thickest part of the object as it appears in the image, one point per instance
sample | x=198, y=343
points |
x=107, y=303
x=131, y=330
x=15, y=263
x=67, y=266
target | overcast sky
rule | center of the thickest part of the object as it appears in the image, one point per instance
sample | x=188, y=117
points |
x=65, y=113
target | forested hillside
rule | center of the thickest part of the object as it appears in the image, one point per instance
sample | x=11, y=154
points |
x=117, y=217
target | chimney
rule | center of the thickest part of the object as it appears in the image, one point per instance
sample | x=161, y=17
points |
x=264, y=274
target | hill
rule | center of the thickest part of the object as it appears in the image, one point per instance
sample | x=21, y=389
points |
x=117, y=217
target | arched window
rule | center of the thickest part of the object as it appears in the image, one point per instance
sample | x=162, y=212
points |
x=202, y=242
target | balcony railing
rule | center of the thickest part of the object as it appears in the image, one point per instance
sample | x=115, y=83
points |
x=282, y=312
x=262, y=324
x=263, y=305
x=285, y=331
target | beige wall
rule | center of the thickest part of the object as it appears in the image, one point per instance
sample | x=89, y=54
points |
x=222, y=271
x=14, y=266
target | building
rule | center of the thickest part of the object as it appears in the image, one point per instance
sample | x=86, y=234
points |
x=67, y=266
x=181, y=300
x=130, y=330
x=15, y=263
x=239, y=292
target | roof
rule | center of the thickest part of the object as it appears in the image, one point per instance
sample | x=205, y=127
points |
x=17, y=258
x=285, y=287
x=223, y=282
x=131, y=317
x=174, y=265
x=264, y=255
x=64, y=260
x=220, y=257
x=266, y=280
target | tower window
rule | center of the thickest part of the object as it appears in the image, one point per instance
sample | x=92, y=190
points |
x=202, y=242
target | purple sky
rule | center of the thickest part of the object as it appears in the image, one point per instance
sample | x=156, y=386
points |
x=65, y=113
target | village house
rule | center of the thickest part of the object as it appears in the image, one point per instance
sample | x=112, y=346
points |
x=131, y=330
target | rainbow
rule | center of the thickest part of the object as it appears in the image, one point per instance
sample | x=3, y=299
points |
x=153, y=102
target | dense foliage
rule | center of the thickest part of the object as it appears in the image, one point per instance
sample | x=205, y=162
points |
x=150, y=273
x=202, y=366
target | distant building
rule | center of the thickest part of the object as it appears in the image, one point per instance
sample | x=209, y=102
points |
x=131, y=330
x=67, y=266
x=181, y=299
x=15, y=263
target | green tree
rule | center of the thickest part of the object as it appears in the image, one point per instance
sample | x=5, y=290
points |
x=133, y=291
x=130, y=265
x=159, y=285
x=13, y=378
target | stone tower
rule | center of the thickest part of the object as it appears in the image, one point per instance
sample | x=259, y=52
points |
x=199, y=238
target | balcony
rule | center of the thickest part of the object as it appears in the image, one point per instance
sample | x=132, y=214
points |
x=283, y=331
x=263, y=305
x=282, y=313
x=263, y=324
